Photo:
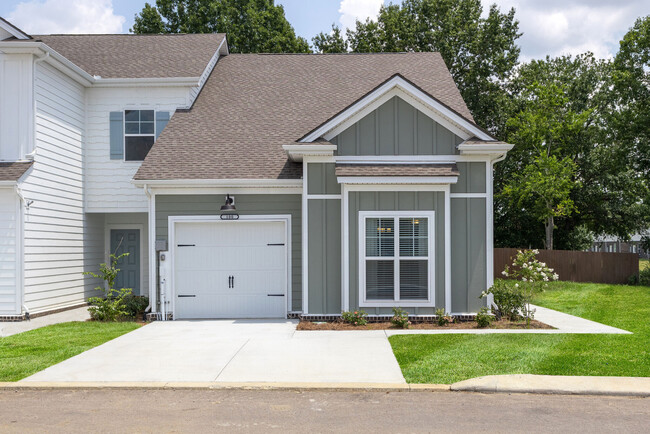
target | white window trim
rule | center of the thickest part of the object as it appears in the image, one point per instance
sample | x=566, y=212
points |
x=363, y=215
x=125, y=134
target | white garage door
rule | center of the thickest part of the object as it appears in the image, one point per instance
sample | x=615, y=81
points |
x=230, y=269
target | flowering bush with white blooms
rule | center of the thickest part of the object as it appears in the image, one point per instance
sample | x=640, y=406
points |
x=528, y=276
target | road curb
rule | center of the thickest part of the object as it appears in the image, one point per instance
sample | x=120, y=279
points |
x=556, y=385
x=323, y=387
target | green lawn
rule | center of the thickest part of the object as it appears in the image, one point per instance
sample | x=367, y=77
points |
x=451, y=358
x=644, y=263
x=26, y=353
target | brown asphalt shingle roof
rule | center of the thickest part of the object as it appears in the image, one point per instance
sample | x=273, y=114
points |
x=396, y=170
x=12, y=171
x=137, y=56
x=252, y=104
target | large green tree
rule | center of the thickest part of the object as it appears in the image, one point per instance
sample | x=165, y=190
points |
x=480, y=52
x=332, y=42
x=253, y=26
x=567, y=103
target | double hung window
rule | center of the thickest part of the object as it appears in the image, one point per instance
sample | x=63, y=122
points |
x=139, y=134
x=396, y=258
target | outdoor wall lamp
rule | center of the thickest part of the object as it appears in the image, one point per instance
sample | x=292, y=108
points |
x=228, y=206
x=228, y=209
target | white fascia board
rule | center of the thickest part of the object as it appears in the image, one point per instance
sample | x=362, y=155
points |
x=66, y=66
x=251, y=183
x=13, y=30
x=8, y=184
x=297, y=152
x=484, y=149
x=397, y=179
x=147, y=82
x=401, y=83
x=53, y=57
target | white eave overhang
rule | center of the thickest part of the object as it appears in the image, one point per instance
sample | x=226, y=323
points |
x=239, y=183
x=396, y=180
x=82, y=77
x=296, y=152
x=495, y=149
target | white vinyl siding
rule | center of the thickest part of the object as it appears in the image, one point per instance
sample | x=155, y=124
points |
x=9, y=254
x=108, y=182
x=396, y=260
x=16, y=108
x=58, y=239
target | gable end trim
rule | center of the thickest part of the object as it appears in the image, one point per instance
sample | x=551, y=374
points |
x=395, y=85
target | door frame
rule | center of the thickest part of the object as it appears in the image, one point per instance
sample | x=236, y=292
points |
x=107, y=247
x=284, y=218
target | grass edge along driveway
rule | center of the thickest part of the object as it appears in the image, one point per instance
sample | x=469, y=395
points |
x=450, y=358
x=24, y=354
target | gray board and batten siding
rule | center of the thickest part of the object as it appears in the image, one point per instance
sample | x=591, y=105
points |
x=396, y=128
x=247, y=204
x=397, y=201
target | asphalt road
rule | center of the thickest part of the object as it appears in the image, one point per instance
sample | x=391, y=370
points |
x=204, y=410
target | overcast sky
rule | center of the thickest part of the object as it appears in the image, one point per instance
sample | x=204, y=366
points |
x=551, y=27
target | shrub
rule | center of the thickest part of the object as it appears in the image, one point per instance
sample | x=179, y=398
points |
x=443, y=318
x=400, y=318
x=109, y=308
x=533, y=277
x=509, y=300
x=644, y=277
x=135, y=305
x=483, y=318
x=112, y=306
x=357, y=317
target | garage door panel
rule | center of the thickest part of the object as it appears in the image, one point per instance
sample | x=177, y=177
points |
x=244, y=306
x=252, y=252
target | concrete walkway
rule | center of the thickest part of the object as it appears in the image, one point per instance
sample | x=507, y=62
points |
x=556, y=384
x=563, y=323
x=12, y=328
x=232, y=351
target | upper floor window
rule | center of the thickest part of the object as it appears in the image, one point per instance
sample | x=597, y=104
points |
x=139, y=134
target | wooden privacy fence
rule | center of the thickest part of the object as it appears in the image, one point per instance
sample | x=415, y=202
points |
x=575, y=266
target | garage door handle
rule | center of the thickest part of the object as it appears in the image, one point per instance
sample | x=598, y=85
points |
x=275, y=244
x=185, y=245
x=275, y=295
x=184, y=296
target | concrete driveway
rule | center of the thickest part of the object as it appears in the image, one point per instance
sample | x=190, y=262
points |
x=233, y=351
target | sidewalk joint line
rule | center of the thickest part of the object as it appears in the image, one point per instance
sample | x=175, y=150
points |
x=231, y=359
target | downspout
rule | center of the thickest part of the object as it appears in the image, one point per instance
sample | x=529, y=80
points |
x=21, y=261
x=490, y=299
x=147, y=192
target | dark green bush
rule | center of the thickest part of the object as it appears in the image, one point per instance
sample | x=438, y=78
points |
x=484, y=317
x=644, y=277
x=134, y=305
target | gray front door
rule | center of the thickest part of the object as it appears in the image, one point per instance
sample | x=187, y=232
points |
x=123, y=241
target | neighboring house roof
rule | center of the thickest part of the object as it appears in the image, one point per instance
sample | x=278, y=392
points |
x=253, y=104
x=396, y=170
x=137, y=56
x=12, y=171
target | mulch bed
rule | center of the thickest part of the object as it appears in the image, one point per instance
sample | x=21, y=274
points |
x=340, y=325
